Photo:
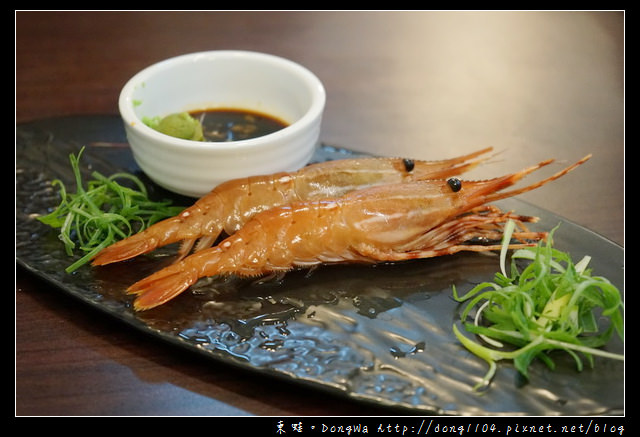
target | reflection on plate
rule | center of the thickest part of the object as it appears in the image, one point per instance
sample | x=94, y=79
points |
x=377, y=334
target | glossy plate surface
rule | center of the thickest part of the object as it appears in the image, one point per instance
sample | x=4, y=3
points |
x=380, y=334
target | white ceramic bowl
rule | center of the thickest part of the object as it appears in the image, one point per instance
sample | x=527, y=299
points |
x=222, y=79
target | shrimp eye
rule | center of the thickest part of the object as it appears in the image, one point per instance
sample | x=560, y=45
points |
x=409, y=164
x=455, y=184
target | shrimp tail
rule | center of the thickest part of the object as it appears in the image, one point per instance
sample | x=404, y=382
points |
x=163, y=290
x=168, y=231
x=166, y=284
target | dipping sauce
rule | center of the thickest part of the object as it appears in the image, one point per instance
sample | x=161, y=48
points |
x=235, y=124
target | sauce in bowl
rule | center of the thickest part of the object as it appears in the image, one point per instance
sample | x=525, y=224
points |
x=228, y=124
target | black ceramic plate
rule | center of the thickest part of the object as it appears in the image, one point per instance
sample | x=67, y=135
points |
x=378, y=334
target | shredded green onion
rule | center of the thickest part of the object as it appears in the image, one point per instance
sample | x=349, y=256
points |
x=106, y=211
x=552, y=304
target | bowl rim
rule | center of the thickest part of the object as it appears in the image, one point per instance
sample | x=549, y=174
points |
x=126, y=102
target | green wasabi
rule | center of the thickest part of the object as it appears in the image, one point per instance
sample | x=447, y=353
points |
x=179, y=125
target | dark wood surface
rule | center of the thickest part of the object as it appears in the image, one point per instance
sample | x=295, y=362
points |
x=429, y=85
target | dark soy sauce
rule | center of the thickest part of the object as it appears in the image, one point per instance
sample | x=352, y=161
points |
x=220, y=125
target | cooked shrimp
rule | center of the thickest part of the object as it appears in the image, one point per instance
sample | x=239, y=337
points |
x=228, y=207
x=386, y=223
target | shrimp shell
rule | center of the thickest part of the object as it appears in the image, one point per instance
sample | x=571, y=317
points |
x=230, y=205
x=386, y=223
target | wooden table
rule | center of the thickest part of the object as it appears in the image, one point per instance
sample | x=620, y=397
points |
x=428, y=85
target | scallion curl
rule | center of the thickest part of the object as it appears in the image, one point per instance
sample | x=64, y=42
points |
x=104, y=212
x=551, y=304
